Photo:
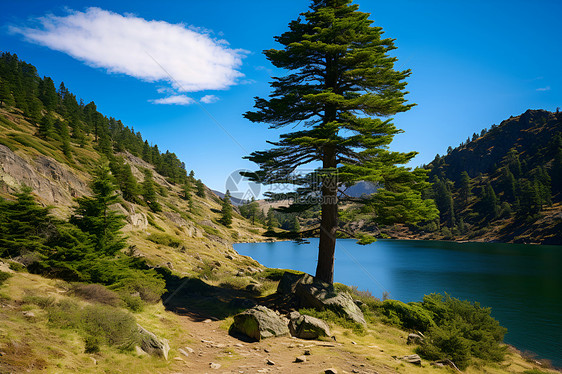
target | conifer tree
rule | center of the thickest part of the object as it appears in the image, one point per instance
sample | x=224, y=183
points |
x=295, y=224
x=186, y=189
x=200, y=188
x=6, y=97
x=126, y=181
x=489, y=203
x=62, y=130
x=149, y=192
x=340, y=81
x=24, y=225
x=226, y=211
x=46, y=127
x=94, y=216
x=271, y=221
x=529, y=203
x=48, y=93
x=464, y=187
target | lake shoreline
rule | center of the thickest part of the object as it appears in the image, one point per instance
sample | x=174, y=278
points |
x=517, y=281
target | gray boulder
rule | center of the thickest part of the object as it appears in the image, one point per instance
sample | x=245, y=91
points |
x=152, y=344
x=412, y=359
x=260, y=323
x=313, y=293
x=307, y=327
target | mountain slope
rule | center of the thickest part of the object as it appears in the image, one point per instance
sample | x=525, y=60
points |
x=503, y=185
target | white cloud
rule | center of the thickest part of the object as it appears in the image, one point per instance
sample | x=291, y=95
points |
x=188, y=58
x=547, y=88
x=174, y=100
x=209, y=99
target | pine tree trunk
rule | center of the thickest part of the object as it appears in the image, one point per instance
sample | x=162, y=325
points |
x=328, y=223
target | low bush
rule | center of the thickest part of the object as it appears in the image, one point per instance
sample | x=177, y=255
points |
x=41, y=301
x=462, y=330
x=165, y=239
x=16, y=266
x=99, y=324
x=410, y=316
x=4, y=276
x=96, y=293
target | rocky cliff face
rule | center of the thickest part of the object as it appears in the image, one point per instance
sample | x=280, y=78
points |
x=54, y=183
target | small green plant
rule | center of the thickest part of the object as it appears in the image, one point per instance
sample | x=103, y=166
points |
x=4, y=276
x=133, y=302
x=91, y=344
x=152, y=222
x=165, y=239
x=16, y=266
x=41, y=301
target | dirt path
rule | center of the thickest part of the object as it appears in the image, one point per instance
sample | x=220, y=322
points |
x=214, y=351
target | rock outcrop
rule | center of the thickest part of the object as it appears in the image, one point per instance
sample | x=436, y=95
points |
x=260, y=323
x=307, y=327
x=313, y=293
x=152, y=344
x=53, y=182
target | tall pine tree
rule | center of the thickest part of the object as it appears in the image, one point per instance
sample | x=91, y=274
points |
x=341, y=80
x=226, y=211
x=149, y=192
x=94, y=216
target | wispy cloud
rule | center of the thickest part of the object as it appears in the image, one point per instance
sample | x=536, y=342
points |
x=209, y=99
x=174, y=100
x=547, y=88
x=188, y=58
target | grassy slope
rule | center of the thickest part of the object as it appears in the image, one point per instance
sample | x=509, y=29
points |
x=204, y=253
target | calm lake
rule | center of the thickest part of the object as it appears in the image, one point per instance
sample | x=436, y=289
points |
x=521, y=283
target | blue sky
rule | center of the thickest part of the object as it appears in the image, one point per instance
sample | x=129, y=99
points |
x=473, y=64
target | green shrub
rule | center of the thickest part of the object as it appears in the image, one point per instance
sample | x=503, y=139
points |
x=41, y=301
x=210, y=230
x=96, y=293
x=92, y=344
x=4, y=276
x=109, y=325
x=148, y=285
x=133, y=302
x=16, y=266
x=462, y=329
x=113, y=326
x=410, y=316
x=164, y=239
x=446, y=342
x=152, y=222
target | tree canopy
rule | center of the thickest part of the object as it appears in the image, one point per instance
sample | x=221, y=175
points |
x=338, y=94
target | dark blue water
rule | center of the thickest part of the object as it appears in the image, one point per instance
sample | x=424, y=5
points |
x=521, y=283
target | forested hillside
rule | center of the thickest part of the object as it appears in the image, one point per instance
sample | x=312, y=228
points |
x=85, y=198
x=503, y=184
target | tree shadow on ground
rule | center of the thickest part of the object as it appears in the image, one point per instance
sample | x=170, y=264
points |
x=194, y=298
x=199, y=300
